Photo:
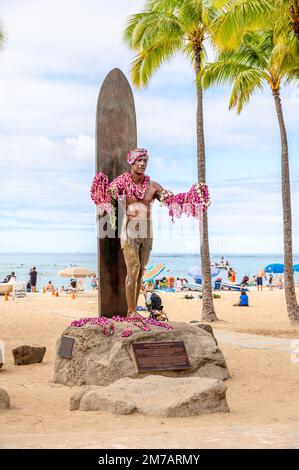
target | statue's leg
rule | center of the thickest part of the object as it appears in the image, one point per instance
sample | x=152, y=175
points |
x=144, y=254
x=131, y=255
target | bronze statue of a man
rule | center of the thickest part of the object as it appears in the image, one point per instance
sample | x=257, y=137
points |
x=136, y=230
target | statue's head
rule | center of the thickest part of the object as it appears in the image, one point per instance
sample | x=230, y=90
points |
x=138, y=159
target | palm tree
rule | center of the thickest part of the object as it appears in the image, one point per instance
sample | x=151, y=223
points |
x=294, y=15
x=263, y=60
x=163, y=29
x=243, y=15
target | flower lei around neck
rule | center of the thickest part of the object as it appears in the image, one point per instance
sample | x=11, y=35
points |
x=108, y=327
x=104, y=194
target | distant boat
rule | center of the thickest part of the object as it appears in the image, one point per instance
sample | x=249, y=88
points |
x=222, y=264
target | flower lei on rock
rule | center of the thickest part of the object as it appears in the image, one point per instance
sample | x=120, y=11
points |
x=105, y=195
x=108, y=327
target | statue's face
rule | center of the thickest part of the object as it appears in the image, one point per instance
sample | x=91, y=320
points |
x=140, y=165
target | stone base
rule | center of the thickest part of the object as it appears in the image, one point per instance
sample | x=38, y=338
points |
x=155, y=396
x=101, y=360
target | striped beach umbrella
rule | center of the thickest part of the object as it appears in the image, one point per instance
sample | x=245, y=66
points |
x=76, y=272
x=153, y=272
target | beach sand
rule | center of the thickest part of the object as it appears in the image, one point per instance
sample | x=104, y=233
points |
x=263, y=391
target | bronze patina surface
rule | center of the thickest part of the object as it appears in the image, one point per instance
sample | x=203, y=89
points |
x=116, y=135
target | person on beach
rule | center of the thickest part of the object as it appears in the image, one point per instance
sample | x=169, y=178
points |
x=136, y=233
x=280, y=282
x=33, y=279
x=243, y=300
x=245, y=280
x=178, y=283
x=94, y=282
x=231, y=274
x=259, y=279
x=153, y=303
x=12, y=278
x=270, y=282
x=50, y=287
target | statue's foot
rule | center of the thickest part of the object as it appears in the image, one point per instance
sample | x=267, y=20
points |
x=132, y=314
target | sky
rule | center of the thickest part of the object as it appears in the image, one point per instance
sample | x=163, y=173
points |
x=56, y=56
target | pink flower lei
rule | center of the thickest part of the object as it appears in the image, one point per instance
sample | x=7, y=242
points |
x=193, y=202
x=104, y=194
x=108, y=326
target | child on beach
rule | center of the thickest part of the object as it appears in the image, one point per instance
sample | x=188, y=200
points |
x=243, y=301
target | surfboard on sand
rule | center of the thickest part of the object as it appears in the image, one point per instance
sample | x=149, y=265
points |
x=116, y=135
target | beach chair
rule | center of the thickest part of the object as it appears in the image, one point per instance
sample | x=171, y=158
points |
x=5, y=288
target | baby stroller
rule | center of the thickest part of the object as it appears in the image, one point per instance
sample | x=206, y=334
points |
x=155, y=308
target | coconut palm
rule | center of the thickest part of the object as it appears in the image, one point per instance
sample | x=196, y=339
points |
x=294, y=15
x=261, y=61
x=242, y=15
x=164, y=29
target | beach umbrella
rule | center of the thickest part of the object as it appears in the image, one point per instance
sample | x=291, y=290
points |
x=195, y=272
x=76, y=272
x=153, y=271
x=296, y=268
x=275, y=268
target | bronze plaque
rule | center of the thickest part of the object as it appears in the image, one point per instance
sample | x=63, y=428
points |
x=163, y=355
x=66, y=347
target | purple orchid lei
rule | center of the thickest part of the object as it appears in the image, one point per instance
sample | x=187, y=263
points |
x=108, y=327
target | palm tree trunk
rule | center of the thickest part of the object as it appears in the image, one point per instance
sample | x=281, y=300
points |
x=294, y=15
x=290, y=292
x=208, y=310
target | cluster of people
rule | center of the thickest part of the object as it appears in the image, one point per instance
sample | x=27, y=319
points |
x=10, y=278
x=261, y=278
x=31, y=283
x=171, y=283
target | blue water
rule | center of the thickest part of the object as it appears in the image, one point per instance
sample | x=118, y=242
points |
x=48, y=264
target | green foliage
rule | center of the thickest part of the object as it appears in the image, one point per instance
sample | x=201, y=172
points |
x=261, y=59
x=165, y=28
x=238, y=16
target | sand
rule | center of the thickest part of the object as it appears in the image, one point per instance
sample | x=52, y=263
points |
x=263, y=392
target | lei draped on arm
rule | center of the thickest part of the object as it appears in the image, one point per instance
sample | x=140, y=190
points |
x=191, y=203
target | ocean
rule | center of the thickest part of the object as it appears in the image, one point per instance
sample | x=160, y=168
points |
x=48, y=265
